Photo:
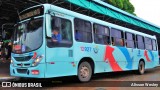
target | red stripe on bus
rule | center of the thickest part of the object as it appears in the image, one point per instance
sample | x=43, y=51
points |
x=146, y=55
x=109, y=56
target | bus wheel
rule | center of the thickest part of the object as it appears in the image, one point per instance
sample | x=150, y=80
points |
x=141, y=67
x=84, y=72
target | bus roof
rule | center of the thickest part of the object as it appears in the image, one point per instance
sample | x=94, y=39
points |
x=77, y=15
x=81, y=16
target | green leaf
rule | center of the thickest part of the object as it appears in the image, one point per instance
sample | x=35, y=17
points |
x=122, y=4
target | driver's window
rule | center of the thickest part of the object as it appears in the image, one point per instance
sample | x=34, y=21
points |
x=61, y=33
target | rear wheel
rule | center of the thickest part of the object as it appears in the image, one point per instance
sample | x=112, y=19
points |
x=141, y=68
x=84, y=72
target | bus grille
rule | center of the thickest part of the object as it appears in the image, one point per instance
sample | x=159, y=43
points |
x=26, y=58
x=26, y=65
x=22, y=70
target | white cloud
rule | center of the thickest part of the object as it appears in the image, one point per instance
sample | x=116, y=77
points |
x=148, y=10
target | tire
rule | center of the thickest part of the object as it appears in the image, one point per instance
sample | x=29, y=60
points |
x=141, y=68
x=84, y=72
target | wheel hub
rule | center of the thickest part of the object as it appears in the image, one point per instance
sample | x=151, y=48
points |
x=84, y=72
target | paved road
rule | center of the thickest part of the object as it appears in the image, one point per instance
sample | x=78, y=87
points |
x=99, y=81
x=4, y=68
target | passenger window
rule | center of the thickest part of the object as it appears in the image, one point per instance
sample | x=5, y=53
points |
x=154, y=44
x=101, y=34
x=117, y=37
x=83, y=30
x=148, y=43
x=140, y=42
x=61, y=33
x=130, y=40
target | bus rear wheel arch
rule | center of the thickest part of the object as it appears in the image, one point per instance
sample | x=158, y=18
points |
x=141, y=67
x=85, y=70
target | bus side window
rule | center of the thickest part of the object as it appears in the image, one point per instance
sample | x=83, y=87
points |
x=140, y=42
x=148, y=43
x=154, y=44
x=117, y=37
x=101, y=34
x=130, y=40
x=83, y=30
x=77, y=35
x=61, y=35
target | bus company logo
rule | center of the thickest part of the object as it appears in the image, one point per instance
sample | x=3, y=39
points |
x=139, y=53
x=21, y=64
x=95, y=49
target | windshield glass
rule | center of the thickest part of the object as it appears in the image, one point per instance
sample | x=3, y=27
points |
x=28, y=36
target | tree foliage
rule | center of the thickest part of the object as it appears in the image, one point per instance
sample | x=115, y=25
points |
x=122, y=4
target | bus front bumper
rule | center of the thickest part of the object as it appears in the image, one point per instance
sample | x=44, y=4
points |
x=30, y=72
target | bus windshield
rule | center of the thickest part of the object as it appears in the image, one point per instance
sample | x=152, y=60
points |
x=28, y=36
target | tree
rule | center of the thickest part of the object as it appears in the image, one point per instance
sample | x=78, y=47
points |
x=122, y=4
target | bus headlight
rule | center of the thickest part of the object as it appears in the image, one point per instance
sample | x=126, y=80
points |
x=37, y=60
x=12, y=62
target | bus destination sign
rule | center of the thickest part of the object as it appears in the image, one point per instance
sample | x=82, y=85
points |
x=31, y=13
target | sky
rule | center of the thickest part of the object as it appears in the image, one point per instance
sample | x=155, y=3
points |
x=148, y=10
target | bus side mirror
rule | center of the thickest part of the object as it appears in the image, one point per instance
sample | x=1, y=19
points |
x=48, y=33
x=48, y=25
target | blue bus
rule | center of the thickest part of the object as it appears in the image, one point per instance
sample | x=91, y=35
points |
x=50, y=41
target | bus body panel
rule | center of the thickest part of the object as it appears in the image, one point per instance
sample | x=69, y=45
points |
x=59, y=63
x=125, y=58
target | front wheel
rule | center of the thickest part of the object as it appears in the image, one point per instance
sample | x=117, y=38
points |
x=141, y=68
x=84, y=72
